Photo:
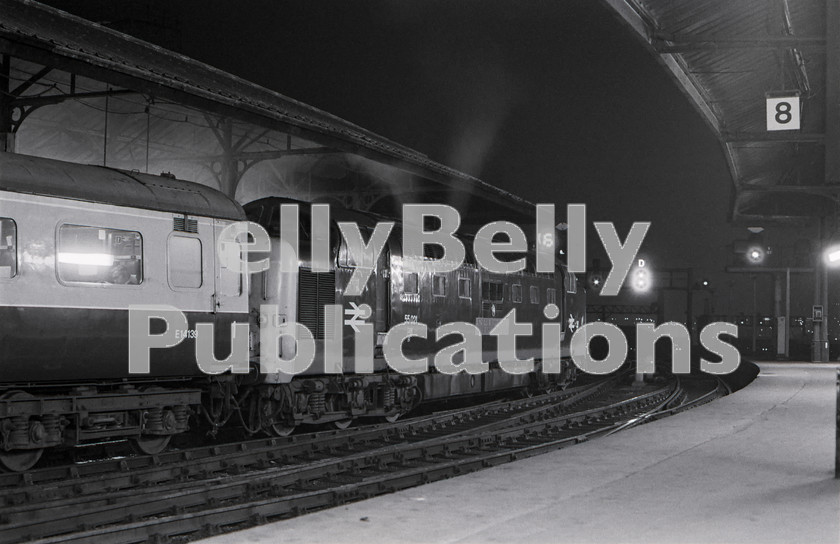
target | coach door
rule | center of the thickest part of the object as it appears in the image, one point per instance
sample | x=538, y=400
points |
x=229, y=284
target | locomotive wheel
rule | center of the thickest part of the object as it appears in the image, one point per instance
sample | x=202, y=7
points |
x=19, y=460
x=151, y=445
x=281, y=429
x=343, y=423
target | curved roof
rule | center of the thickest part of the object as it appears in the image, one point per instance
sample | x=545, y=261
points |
x=48, y=177
x=38, y=33
x=730, y=57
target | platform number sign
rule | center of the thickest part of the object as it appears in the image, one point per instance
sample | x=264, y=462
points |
x=783, y=113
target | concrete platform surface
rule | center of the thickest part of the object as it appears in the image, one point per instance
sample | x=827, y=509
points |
x=753, y=467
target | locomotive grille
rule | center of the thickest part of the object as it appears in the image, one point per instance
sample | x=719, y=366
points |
x=184, y=224
x=314, y=292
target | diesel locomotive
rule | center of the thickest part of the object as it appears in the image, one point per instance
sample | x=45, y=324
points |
x=80, y=245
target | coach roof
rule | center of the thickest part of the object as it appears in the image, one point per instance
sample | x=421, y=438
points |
x=48, y=177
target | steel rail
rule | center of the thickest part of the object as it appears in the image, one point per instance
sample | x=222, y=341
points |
x=111, y=474
x=293, y=484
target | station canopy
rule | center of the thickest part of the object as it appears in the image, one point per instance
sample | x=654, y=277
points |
x=76, y=91
x=744, y=64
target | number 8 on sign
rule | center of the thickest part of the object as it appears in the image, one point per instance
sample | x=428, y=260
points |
x=783, y=113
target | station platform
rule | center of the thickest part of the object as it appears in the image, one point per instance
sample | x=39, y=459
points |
x=753, y=467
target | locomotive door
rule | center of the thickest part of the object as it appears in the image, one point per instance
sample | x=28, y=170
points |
x=382, y=311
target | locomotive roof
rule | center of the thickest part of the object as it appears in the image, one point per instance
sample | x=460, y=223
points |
x=48, y=177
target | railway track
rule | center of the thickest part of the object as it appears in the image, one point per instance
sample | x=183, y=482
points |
x=201, y=491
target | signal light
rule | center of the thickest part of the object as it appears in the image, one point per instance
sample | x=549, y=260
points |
x=640, y=280
x=755, y=254
x=595, y=281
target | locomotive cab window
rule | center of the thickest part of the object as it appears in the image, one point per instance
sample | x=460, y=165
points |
x=185, y=262
x=99, y=255
x=492, y=291
x=411, y=284
x=8, y=248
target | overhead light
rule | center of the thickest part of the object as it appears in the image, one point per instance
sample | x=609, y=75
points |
x=89, y=259
x=832, y=255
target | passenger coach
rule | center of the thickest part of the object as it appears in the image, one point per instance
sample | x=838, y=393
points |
x=78, y=245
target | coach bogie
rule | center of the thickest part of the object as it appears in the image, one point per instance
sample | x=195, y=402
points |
x=79, y=245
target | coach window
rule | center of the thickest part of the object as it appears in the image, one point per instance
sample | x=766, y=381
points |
x=464, y=288
x=99, y=255
x=411, y=283
x=535, y=294
x=185, y=262
x=551, y=295
x=439, y=285
x=516, y=292
x=8, y=248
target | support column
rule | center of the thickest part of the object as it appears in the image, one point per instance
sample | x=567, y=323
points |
x=787, y=313
x=832, y=147
x=689, y=303
x=777, y=315
x=7, y=136
x=819, y=266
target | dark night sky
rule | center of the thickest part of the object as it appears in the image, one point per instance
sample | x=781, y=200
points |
x=555, y=101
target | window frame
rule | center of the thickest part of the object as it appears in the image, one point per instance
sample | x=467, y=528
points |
x=16, y=268
x=169, y=261
x=106, y=285
x=416, y=290
x=501, y=291
x=442, y=278
x=468, y=283
x=534, y=294
x=516, y=289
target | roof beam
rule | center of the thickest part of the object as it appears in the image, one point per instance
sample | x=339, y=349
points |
x=260, y=155
x=705, y=43
x=782, y=136
x=693, y=89
x=820, y=190
x=47, y=100
x=635, y=16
